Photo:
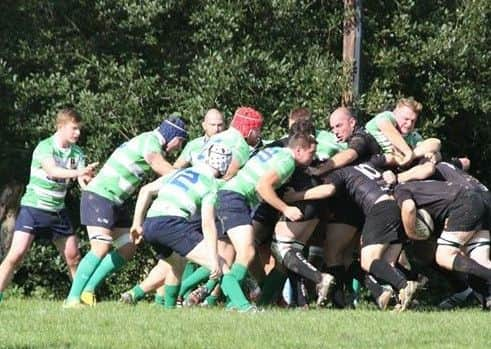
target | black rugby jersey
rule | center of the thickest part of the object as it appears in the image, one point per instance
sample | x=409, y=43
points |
x=364, y=144
x=363, y=183
x=433, y=196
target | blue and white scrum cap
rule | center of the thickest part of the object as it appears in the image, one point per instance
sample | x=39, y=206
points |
x=173, y=127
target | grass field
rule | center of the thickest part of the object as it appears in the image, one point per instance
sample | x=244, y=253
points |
x=28, y=323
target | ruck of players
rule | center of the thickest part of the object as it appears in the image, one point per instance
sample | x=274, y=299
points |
x=311, y=220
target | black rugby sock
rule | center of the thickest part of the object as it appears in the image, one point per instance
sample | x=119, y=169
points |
x=384, y=271
x=295, y=261
x=373, y=286
x=467, y=265
x=340, y=275
x=409, y=274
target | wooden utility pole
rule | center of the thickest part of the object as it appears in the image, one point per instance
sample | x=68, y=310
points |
x=351, y=49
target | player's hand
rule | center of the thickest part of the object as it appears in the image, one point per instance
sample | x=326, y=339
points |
x=216, y=271
x=293, y=213
x=389, y=177
x=89, y=170
x=136, y=234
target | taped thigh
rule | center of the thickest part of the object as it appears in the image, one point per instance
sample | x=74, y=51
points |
x=279, y=247
x=480, y=239
x=449, y=239
x=105, y=239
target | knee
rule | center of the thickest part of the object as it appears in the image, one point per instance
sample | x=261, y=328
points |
x=366, y=263
x=72, y=258
x=246, y=254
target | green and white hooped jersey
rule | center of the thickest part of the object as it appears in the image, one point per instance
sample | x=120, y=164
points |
x=412, y=139
x=125, y=169
x=276, y=158
x=328, y=145
x=44, y=192
x=192, y=149
x=184, y=192
x=234, y=141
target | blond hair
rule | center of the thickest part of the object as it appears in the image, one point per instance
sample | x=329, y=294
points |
x=411, y=103
x=66, y=115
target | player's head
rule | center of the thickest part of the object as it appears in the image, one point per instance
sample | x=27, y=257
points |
x=248, y=122
x=68, y=123
x=218, y=157
x=298, y=114
x=406, y=113
x=303, y=146
x=302, y=126
x=342, y=123
x=174, y=132
x=213, y=122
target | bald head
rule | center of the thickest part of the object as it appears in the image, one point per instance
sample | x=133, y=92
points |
x=342, y=123
x=213, y=122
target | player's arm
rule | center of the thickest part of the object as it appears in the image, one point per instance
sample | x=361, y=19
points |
x=265, y=188
x=341, y=159
x=210, y=237
x=397, y=141
x=158, y=163
x=147, y=192
x=232, y=169
x=418, y=172
x=408, y=216
x=181, y=163
x=318, y=192
x=54, y=171
x=429, y=145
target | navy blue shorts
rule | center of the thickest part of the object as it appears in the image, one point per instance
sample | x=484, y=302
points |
x=44, y=224
x=97, y=211
x=171, y=233
x=232, y=211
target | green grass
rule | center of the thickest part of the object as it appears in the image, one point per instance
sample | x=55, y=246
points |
x=28, y=323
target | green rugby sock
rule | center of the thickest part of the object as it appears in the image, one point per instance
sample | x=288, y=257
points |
x=85, y=269
x=211, y=284
x=138, y=293
x=239, y=271
x=170, y=297
x=110, y=264
x=1, y=297
x=188, y=270
x=159, y=299
x=211, y=300
x=232, y=290
x=198, y=276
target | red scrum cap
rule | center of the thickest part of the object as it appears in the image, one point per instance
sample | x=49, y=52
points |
x=247, y=119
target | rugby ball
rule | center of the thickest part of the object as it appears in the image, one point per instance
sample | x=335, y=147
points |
x=424, y=223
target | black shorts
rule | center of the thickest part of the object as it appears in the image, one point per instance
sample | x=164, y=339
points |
x=382, y=224
x=486, y=199
x=266, y=214
x=346, y=211
x=466, y=213
x=43, y=224
x=170, y=233
x=300, y=181
x=97, y=211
